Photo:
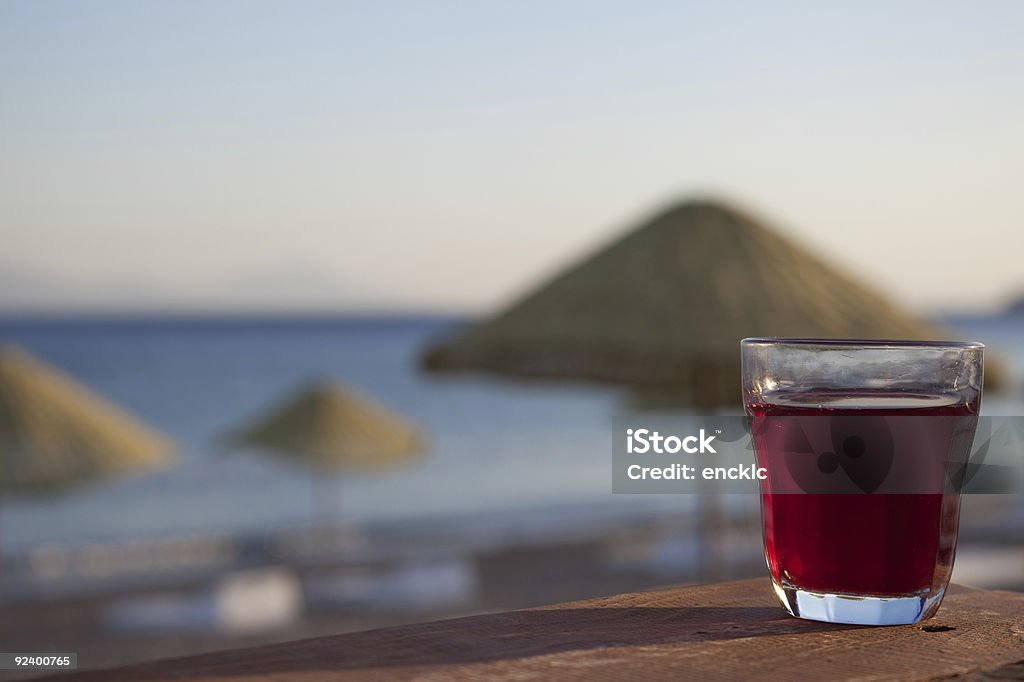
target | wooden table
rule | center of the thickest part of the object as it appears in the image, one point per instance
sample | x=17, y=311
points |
x=728, y=631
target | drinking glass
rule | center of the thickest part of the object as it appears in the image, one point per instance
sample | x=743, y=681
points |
x=859, y=438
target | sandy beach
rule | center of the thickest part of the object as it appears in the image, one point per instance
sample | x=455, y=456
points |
x=360, y=586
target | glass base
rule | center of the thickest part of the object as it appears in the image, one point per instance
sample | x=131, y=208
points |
x=853, y=610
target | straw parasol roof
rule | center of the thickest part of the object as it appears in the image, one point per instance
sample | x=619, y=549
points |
x=56, y=433
x=333, y=428
x=665, y=306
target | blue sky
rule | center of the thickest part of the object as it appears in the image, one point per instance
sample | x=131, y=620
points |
x=445, y=155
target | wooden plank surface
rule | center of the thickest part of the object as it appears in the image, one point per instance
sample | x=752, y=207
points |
x=728, y=631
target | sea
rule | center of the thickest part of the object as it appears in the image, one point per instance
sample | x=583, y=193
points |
x=522, y=451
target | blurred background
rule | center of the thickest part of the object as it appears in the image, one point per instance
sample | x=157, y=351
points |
x=315, y=315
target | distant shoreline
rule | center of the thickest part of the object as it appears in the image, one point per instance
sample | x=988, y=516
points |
x=302, y=317
x=215, y=319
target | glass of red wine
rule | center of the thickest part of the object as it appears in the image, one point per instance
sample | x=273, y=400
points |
x=859, y=438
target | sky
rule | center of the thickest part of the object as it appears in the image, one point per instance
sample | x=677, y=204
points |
x=449, y=155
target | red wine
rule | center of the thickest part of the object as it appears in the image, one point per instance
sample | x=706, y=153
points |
x=860, y=544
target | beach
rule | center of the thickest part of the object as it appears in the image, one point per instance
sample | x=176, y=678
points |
x=148, y=559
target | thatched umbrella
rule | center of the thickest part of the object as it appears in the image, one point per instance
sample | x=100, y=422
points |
x=663, y=309
x=56, y=433
x=332, y=429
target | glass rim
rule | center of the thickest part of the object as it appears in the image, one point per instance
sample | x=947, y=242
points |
x=858, y=343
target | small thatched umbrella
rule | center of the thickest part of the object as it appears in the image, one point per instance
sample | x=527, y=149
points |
x=332, y=429
x=663, y=309
x=56, y=433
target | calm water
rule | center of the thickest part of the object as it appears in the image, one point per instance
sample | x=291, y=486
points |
x=496, y=446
